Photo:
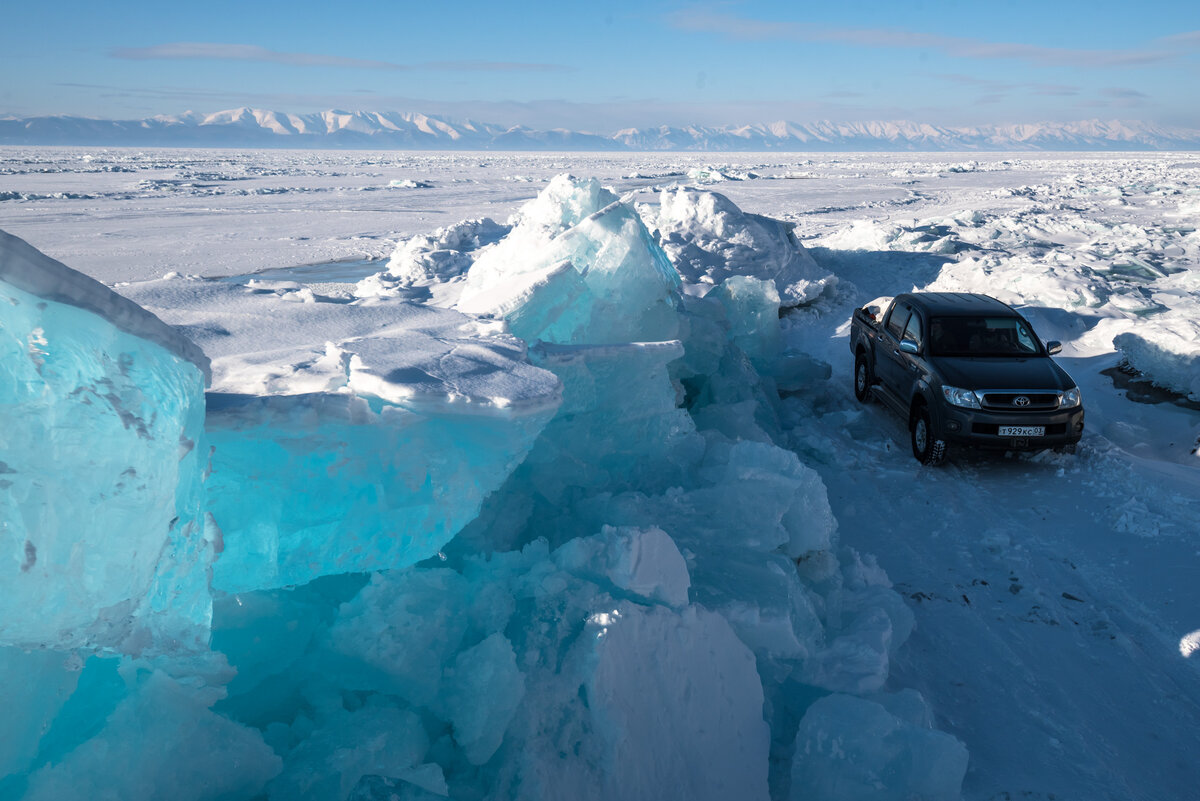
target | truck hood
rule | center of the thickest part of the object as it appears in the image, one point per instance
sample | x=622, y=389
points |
x=1034, y=372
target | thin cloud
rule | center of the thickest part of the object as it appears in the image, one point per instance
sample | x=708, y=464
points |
x=491, y=66
x=1055, y=90
x=212, y=51
x=983, y=83
x=961, y=47
x=1049, y=89
x=1123, y=94
x=1189, y=39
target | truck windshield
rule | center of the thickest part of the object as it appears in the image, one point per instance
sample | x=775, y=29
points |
x=982, y=336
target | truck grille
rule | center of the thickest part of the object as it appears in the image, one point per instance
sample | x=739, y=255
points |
x=1016, y=401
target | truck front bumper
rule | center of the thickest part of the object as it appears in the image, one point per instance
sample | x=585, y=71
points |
x=980, y=429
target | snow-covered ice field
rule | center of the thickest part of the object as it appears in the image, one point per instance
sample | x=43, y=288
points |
x=1045, y=607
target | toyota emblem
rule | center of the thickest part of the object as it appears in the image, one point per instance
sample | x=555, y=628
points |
x=1020, y=400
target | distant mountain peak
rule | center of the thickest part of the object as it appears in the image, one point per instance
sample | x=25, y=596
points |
x=338, y=128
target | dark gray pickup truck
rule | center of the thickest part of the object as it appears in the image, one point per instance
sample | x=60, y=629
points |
x=964, y=369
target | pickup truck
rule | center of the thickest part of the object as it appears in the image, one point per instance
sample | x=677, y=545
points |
x=964, y=369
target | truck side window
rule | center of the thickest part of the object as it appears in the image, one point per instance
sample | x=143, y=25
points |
x=898, y=319
x=912, y=331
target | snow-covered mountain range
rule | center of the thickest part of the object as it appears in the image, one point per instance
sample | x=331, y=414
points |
x=246, y=127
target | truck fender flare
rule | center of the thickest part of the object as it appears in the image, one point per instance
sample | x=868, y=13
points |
x=924, y=394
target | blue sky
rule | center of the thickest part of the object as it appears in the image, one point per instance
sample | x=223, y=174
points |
x=601, y=67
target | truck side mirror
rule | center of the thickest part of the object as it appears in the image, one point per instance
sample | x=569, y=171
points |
x=1053, y=347
x=908, y=346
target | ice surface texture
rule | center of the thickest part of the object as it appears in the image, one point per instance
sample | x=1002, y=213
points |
x=350, y=437
x=101, y=454
x=634, y=591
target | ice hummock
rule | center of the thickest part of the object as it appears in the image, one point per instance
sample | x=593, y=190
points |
x=645, y=595
x=349, y=437
x=709, y=239
x=579, y=267
x=441, y=256
x=101, y=454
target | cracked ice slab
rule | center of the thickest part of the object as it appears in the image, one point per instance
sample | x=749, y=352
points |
x=349, y=436
x=101, y=518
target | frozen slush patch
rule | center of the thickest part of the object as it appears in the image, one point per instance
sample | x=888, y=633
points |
x=851, y=749
x=1189, y=644
x=1170, y=359
x=709, y=239
x=103, y=412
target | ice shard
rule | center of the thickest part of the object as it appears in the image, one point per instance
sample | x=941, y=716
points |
x=101, y=460
x=580, y=267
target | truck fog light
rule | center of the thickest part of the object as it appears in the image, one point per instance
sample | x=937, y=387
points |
x=953, y=425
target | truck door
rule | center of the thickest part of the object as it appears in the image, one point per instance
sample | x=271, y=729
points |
x=889, y=361
x=909, y=364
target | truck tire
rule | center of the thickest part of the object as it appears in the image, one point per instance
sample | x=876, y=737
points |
x=862, y=379
x=925, y=446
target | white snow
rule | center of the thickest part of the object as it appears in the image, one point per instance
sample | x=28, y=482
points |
x=710, y=239
x=1169, y=359
x=680, y=582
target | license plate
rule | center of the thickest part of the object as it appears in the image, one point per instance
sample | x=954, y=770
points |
x=1022, y=431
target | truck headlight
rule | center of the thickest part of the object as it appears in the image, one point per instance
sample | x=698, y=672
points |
x=961, y=397
x=1070, y=399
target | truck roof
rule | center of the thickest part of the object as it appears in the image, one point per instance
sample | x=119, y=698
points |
x=949, y=304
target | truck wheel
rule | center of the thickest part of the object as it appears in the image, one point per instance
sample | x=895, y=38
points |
x=862, y=379
x=926, y=448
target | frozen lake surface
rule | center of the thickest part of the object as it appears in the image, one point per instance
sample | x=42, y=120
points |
x=1056, y=597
